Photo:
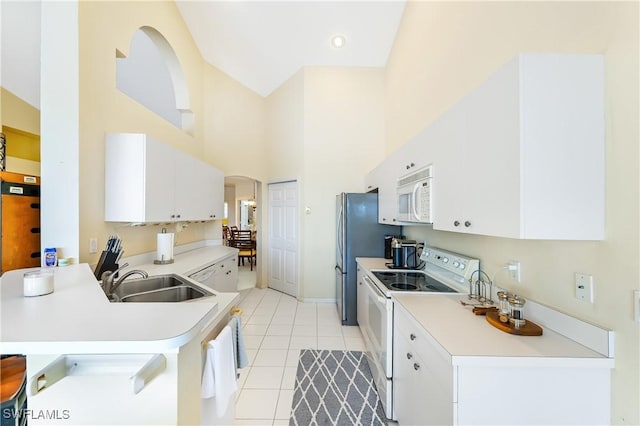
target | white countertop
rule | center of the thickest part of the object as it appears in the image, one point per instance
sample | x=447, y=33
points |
x=78, y=318
x=470, y=340
x=189, y=262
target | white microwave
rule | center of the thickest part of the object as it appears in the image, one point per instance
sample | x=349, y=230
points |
x=414, y=196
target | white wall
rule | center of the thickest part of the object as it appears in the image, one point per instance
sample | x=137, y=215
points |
x=443, y=50
x=60, y=127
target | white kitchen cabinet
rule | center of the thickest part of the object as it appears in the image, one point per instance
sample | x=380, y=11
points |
x=522, y=155
x=361, y=300
x=220, y=276
x=423, y=380
x=149, y=181
x=432, y=386
x=213, y=197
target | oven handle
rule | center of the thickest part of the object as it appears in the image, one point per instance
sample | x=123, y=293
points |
x=380, y=296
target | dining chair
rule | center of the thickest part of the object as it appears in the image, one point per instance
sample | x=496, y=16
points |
x=242, y=240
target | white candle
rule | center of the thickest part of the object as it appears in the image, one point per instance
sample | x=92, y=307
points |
x=38, y=283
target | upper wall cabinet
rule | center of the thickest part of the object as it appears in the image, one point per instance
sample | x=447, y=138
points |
x=522, y=156
x=149, y=181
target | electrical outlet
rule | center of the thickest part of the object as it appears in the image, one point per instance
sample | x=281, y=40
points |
x=514, y=270
x=93, y=245
x=584, y=287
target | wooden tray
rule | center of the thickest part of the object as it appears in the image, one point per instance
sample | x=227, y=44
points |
x=529, y=329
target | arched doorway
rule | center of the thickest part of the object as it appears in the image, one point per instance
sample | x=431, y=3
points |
x=242, y=210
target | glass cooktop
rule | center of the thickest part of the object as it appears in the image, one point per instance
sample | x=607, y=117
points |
x=411, y=281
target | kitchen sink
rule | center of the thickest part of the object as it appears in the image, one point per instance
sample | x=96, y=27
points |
x=160, y=288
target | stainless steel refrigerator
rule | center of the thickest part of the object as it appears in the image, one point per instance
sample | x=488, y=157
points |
x=358, y=234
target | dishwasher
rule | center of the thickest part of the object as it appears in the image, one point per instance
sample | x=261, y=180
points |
x=206, y=276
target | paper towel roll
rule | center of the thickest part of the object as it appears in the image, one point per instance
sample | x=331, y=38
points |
x=165, y=247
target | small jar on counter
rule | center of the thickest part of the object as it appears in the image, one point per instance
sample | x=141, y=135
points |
x=516, y=311
x=503, y=306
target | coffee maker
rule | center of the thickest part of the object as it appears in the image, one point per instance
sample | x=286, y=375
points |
x=405, y=254
x=388, y=239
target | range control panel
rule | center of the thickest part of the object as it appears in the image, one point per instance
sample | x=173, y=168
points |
x=455, y=263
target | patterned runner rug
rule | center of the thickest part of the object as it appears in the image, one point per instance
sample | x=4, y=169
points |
x=335, y=388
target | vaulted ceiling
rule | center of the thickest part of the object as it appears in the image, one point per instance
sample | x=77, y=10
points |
x=259, y=43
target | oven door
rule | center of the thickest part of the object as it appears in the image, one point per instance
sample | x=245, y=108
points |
x=378, y=336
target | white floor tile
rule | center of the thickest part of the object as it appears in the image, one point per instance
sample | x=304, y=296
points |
x=331, y=342
x=253, y=422
x=257, y=404
x=251, y=355
x=255, y=329
x=252, y=342
x=303, y=342
x=305, y=319
x=329, y=329
x=351, y=331
x=283, y=410
x=243, y=373
x=289, y=378
x=268, y=309
x=264, y=378
x=354, y=344
x=280, y=318
x=293, y=356
x=279, y=329
x=304, y=330
x=275, y=342
x=276, y=327
x=259, y=319
x=271, y=357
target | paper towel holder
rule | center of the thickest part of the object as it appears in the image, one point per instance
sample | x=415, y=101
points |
x=163, y=261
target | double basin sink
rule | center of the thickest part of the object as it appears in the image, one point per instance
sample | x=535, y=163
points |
x=161, y=288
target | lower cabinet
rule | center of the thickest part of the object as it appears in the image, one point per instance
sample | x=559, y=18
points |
x=220, y=276
x=433, y=387
x=422, y=377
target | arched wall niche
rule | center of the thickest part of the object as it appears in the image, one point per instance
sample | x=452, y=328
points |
x=152, y=75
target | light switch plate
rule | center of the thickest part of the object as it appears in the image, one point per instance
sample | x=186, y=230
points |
x=93, y=245
x=584, y=287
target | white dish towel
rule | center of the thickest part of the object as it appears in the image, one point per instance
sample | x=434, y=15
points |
x=218, y=375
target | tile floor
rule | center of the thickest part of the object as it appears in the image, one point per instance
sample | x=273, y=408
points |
x=276, y=327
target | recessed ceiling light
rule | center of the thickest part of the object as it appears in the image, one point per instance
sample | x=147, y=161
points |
x=338, y=41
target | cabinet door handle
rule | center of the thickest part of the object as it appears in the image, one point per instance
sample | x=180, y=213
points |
x=412, y=336
x=416, y=366
x=173, y=216
x=456, y=223
x=467, y=223
x=409, y=356
x=178, y=216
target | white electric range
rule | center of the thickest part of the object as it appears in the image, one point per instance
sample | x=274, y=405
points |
x=443, y=272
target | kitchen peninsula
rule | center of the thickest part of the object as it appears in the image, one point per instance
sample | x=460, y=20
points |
x=104, y=346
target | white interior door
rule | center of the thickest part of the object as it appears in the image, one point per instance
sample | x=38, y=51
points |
x=283, y=237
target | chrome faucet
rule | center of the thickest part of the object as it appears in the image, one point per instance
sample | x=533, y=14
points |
x=109, y=285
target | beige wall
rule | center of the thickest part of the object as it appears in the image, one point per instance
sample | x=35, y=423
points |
x=325, y=128
x=444, y=49
x=343, y=134
x=18, y=114
x=284, y=132
x=228, y=117
x=23, y=149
